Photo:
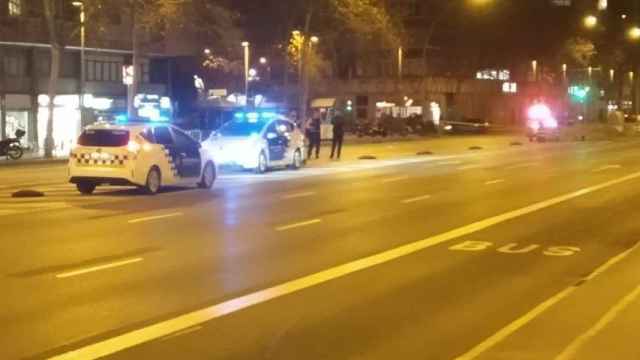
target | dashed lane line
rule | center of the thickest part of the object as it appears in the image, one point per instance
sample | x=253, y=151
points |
x=607, y=167
x=299, y=224
x=298, y=195
x=416, y=199
x=153, y=218
x=97, y=268
x=156, y=331
x=394, y=179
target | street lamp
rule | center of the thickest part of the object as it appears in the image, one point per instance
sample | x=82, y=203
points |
x=315, y=39
x=80, y=5
x=263, y=60
x=245, y=45
x=590, y=21
x=207, y=51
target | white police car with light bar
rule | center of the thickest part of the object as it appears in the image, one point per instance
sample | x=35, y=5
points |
x=146, y=155
x=258, y=141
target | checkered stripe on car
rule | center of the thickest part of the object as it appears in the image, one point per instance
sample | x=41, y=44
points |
x=172, y=165
x=86, y=159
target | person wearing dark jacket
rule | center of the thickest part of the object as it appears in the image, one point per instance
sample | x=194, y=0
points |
x=338, y=135
x=313, y=133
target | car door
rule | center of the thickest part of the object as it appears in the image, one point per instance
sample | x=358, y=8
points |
x=285, y=131
x=188, y=150
x=275, y=142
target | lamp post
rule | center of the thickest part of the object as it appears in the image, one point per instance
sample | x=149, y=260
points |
x=245, y=45
x=80, y=5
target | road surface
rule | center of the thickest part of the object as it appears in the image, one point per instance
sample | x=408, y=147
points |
x=503, y=252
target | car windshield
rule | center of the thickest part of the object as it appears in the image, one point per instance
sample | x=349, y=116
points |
x=104, y=137
x=241, y=128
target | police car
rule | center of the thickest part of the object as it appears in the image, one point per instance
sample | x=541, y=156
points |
x=148, y=156
x=258, y=141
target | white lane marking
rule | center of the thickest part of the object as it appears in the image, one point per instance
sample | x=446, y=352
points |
x=98, y=268
x=298, y=195
x=573, y=348
x=453, y=162
x=164, y=328
x=493, y=182
x=395, y=179
x=521, y=166
x=470, y=167
x=535, y=312
x=297, y=225
x=416, y=199
x=607, y=167
x=152, y=218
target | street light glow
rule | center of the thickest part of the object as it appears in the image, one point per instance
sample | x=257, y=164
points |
x=207, y=51
x=634, y=33
x=315, y=39
x=245, y=44
x=77, y=3
x=263, y=60
x=590, y=21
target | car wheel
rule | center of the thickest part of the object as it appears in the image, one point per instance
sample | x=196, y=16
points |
x=296, y=162
x=208, y=176
x=154, y=181
x=86, y=188
x=263, y=165
x=14, y=152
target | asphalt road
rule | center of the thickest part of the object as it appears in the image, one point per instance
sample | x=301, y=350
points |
x=507, y=252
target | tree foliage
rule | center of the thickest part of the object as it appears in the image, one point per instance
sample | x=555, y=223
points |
x=580, y=50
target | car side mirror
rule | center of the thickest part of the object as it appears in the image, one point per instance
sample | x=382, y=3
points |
x=271, y=135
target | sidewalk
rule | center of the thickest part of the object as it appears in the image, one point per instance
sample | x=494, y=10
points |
x=31, y=159
x=355, y=147
x=446, y=145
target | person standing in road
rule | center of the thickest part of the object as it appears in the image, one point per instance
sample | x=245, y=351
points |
x=338, y=135
x=313, y=133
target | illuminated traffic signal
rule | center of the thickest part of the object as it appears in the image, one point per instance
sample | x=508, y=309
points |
x=579, y=93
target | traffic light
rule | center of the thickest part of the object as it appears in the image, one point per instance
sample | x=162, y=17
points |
x=579, y=94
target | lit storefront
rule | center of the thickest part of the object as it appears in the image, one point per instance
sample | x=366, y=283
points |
x=66, y=122
x=17, y=116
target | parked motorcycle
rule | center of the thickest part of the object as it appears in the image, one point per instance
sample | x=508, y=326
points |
x=11, y=147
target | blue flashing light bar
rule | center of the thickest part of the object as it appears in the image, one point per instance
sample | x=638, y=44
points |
x=121, y=118
x=254, y=116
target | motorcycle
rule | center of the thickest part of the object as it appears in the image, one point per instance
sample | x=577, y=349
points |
x=11, y=147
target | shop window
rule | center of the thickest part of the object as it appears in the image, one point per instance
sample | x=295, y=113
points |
x=15, y=7
x=104, y=71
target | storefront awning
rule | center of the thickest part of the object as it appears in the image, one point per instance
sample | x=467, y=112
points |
x=323, y=103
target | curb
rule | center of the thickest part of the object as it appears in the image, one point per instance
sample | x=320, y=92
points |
x=31, y=162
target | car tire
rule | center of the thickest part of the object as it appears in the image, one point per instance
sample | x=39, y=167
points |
x=263, y=165
x=86, y=188
x=14, y=152
x=154, y=181
x=208, y=176
x=296, y=162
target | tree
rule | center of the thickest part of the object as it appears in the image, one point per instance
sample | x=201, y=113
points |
x=580, y=50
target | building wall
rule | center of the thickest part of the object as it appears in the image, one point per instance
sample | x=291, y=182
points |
x=471, y=98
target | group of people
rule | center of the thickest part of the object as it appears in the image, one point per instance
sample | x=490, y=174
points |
x=312, y=132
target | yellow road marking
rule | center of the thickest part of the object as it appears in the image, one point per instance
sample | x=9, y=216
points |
x=298, y=195
x=170, y=326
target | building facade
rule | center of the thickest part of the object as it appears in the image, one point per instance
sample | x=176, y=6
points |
x=25, y=69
